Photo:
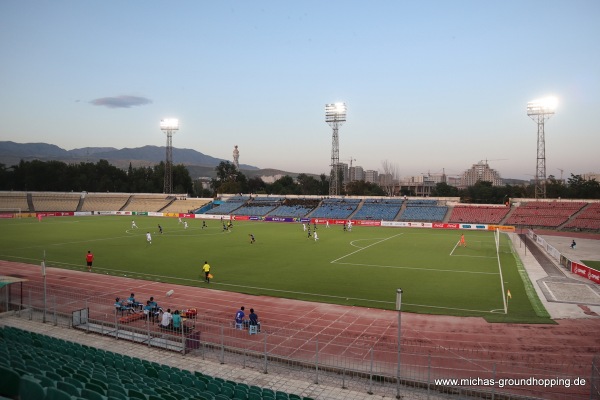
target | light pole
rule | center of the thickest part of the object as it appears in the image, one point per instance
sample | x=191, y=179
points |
x=539, y=111
x=169, y=126
x=399, y=310
x=335, y=116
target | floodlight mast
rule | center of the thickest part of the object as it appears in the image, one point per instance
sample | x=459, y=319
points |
x=539, y=111
x=169, y=126
x=335, y=116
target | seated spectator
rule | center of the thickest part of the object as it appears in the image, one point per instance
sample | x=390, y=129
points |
x=176, y=319
x=150, y=311
x=154, y=305
x=239, y=317
x=167, y=318
x=254, y=319
x=134, y=304
x=122, y=306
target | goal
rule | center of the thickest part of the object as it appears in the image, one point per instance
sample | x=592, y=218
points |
x=10, y=213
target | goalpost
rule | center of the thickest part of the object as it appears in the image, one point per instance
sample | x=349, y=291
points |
x=497, y=242
x=10, y=212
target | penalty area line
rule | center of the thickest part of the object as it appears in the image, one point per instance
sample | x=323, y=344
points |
x=366, y=247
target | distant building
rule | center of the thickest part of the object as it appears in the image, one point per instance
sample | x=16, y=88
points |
x=591, y=175
x=480, y=172
x=356, y=174
x=371, y=176
x=344, y=170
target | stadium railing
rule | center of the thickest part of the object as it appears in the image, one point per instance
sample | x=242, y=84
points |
x=369, y=366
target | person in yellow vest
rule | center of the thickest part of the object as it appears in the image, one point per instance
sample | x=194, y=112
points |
x=206, y=270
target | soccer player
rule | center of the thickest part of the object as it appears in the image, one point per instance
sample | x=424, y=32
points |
x=148, y=238
x=316, y=236
x=204, y=224
x=179, y=220
x=184, y=224
x=89, y=258
x=133, y=225
x=462, y=242
x=349, y=226
x=573, y=244
x=327, y=224
x=206, y=270
x=304, y=227
x=160, y=229
x=252, y=240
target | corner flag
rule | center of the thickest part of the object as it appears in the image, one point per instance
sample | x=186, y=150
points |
x=508, y=294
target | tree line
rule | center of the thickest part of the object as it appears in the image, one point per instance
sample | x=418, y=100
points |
x=57, y=176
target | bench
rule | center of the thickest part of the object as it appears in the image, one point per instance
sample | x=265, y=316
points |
x=131, y=317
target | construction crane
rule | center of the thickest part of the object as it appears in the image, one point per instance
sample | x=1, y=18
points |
x=351, y=159
x=561, y=173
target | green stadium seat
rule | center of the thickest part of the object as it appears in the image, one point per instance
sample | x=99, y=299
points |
x=227, y=390
x=281, y=396
x=30, y=389
x=294, y=397
x=53, y=393
x=95, y=388
x=136, y=394
x=240, y=394
x=99, y=380
x=75, y=382
x=252, y=395
x=68, y=388
x=9, y=384
x=213, y=388
x=222, y=397
x=53, y=375
x=45, y=381
x=89, y=394
x=117, y=395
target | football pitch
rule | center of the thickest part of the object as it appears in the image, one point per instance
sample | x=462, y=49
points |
x=363, y=267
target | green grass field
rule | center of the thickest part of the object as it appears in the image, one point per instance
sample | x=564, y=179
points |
x=363, y=267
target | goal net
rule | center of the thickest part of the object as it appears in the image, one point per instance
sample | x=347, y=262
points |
x=10, y=213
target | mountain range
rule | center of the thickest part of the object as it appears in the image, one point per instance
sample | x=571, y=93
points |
x=198, y=164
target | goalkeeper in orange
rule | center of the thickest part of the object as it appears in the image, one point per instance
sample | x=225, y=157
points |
x=462, y=241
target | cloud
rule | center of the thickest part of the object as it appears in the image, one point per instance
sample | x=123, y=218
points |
x=121, y=101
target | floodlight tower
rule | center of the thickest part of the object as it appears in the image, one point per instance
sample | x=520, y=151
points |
x=539, y=111
x=335, y=116
x=169, y=126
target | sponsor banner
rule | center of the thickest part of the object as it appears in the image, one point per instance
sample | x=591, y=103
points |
x=337, y=221
x=321, y=221
x=255, y=218
x=441, y=225
x=54, y=214
x=419, y=224
x=171, y=214
x=186, y=215
x=280, y=219
x=241, y=218
x=304, y=220
x=501, y=228
x=212, y=216
x=155, y=214
x=394, y=224
x=7, y=215
x=474, y=226
x=124, y=213
x=585, y=271
x=141, y=213
x=82, y=213
x=367, y=223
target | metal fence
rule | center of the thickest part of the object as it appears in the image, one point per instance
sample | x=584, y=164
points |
x=371, y=369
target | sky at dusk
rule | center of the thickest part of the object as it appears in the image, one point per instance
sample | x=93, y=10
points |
x=429, y=85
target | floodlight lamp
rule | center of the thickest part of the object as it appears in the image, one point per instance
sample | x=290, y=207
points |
x=547, y=105
x=335, y=112
x=169, y=124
